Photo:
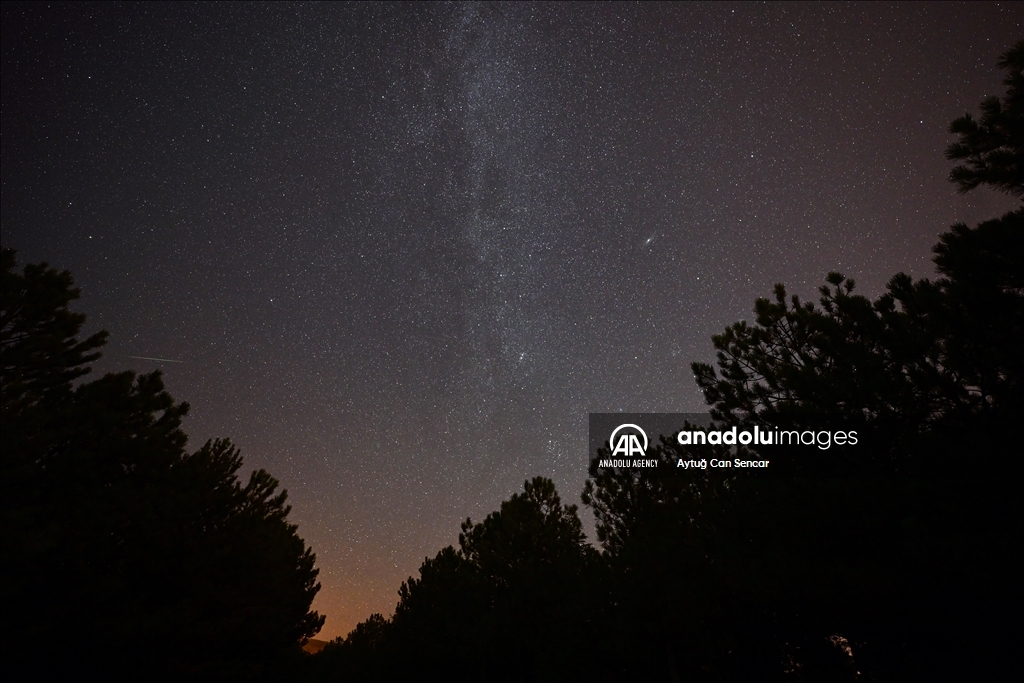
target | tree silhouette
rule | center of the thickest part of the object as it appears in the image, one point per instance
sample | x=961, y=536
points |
x=929, y=361
x=511, y=604
x=993, y=147
x=39, y=352
x=895, y=559
x=157, y=562
x=657, y=529
x=531, y=557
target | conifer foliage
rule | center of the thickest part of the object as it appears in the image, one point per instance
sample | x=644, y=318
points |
x=140, y=559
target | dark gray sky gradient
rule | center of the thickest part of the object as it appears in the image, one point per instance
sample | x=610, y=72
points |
x=402, y=250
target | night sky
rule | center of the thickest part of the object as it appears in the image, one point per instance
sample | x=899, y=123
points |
x=400, y=251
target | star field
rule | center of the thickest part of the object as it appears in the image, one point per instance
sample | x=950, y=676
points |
x=401, y=251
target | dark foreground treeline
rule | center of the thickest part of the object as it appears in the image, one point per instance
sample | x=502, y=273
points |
x=898, y=561
x=125, y=557
x=805, y=579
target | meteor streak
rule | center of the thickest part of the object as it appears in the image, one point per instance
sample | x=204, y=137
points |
x=162, y=360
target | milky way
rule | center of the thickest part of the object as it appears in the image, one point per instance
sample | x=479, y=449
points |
x=401, y=251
